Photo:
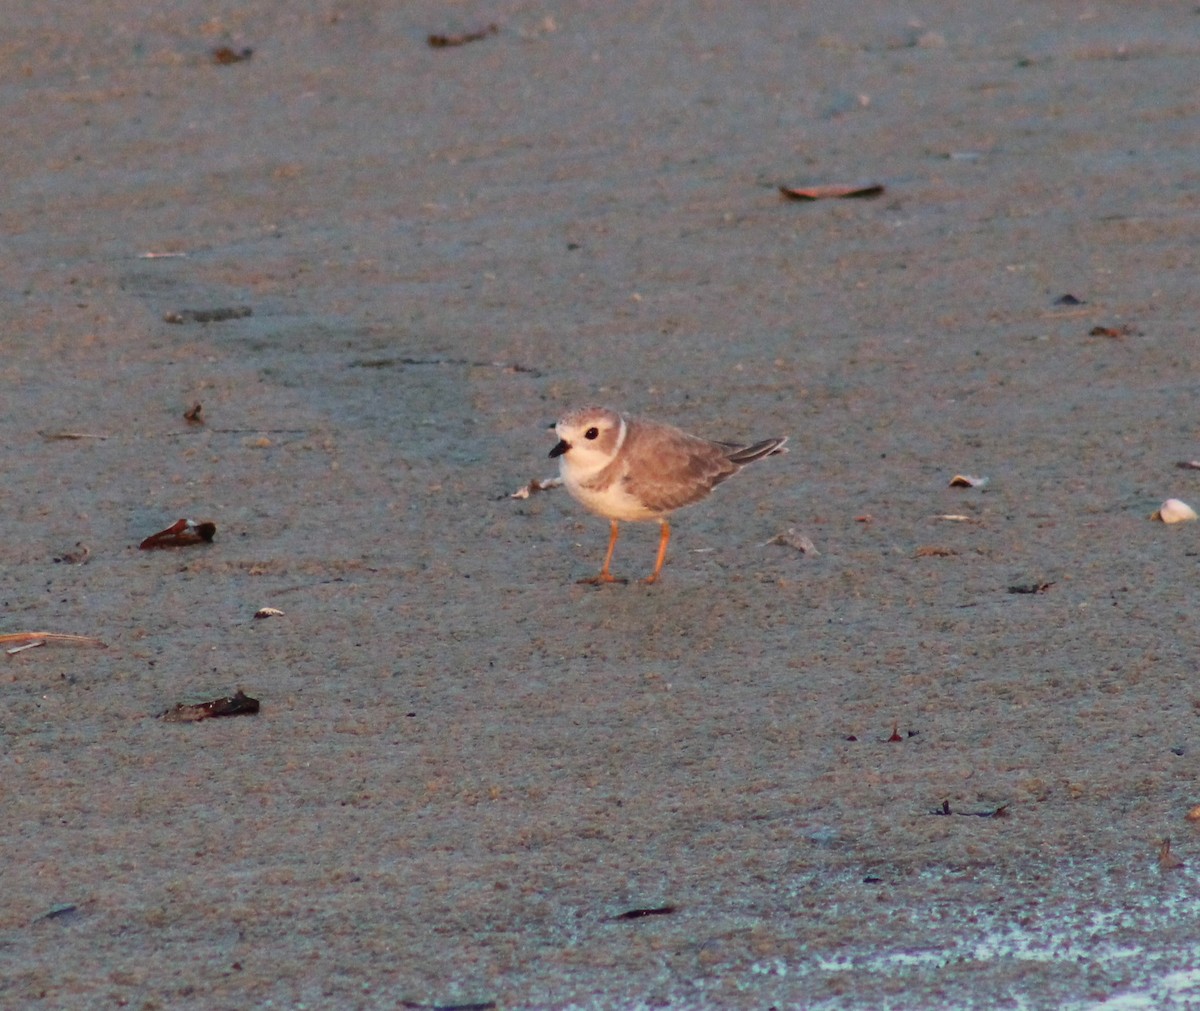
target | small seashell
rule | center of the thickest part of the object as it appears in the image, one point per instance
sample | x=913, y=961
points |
x=268, y=612
x=1174, y=511
x=967, y=481
x=791, y=538
x=535, y=486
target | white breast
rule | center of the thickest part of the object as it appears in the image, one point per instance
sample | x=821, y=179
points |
x=613, y=502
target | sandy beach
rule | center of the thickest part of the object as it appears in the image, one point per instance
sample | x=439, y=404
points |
x=931, y=764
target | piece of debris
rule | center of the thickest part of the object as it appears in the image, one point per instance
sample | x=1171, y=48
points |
x=14, y=642
x=512, y=368
x=967, y=481
x=1174, y=511
x=995, y=812
x=1168, y=861
x=218, y=315
x=268, y=612
x=1124, y=330
x=637, y=914
x=535, y=486
x=238, y=704
x=833, y=191
x=181, y=534
x=896, y=738
x=70, y=436
x=1188, y=464
x=65, y=911
x=954, y=518
x=79, y=556
x=1194, y=814
x=160, y=256
x=487, y=1005
x=1031, y=587
x=1069, y=299
x=223, y=56
x=194, y=415
x=791, y=538
x=445, y=41
x=934, y=551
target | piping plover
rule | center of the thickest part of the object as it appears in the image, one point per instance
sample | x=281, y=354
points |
x=634, y=469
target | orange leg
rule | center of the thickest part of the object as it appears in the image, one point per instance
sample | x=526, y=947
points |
x=605, y=576
x=663, y=541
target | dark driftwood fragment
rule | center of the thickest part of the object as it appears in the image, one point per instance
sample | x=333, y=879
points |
x=637, y=914
x=218, y=315
x=445, y=41
x=238, y=704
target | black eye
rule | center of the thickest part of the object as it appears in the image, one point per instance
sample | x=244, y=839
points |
x=591, y=433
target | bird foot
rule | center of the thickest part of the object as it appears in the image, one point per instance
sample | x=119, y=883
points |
x=601, y=578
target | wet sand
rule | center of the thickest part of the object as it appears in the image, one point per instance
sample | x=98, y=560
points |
x=467, y=766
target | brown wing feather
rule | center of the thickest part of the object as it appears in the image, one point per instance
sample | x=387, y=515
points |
x=665, y=481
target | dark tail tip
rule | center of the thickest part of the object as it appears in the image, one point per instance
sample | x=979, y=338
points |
x=768, y=447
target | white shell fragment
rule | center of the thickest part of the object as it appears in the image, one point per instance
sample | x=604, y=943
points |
x=1174, y=511
x=967, y=481
x=268, y=612
x=535, y=486
x=791, y=538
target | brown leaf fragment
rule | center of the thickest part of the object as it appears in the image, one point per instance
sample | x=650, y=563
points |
x=934, y=551
x=1194, y=814
x=1031, y=587
x=238, y=704
x=1168, y=861
x=223, y=56
x=218, y=315
x=833, y=191
x=25, y=639
x=1124, y=330
x=445, y=41
x=637, y=914
x=181, y=534
x=194, y=415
